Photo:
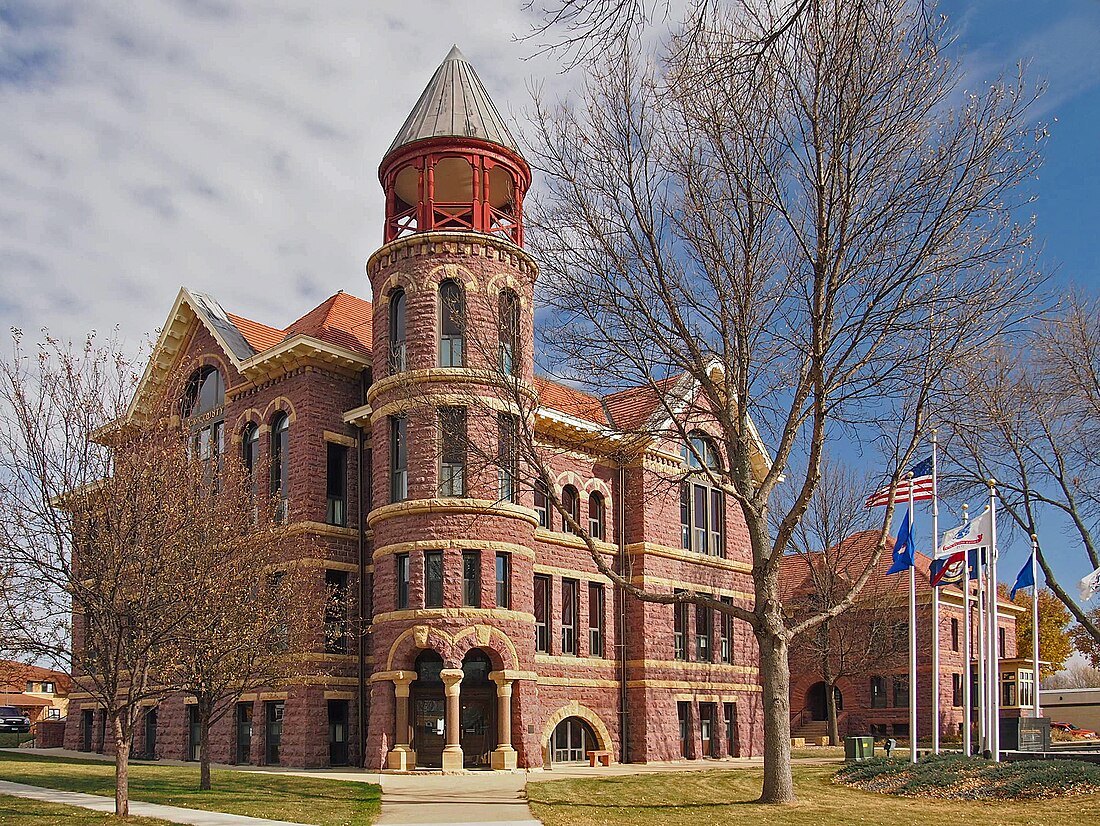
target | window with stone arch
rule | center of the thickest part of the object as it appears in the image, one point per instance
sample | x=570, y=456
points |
x=702, y=503
x=597, y=517
x=397, y=359
x=250, y=454
x=571, y=504
x=203, y=408
x=452, y=324
x=280, y=464
x=508, y=310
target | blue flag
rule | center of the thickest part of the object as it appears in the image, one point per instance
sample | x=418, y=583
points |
x=1024, y=579
x=904, y=551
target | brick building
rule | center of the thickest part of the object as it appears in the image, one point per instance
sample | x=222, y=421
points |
x=873, y=693
x=487, y=636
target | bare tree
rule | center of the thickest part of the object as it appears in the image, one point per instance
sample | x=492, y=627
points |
x=766, y=257
x=828, y=555
x=1075, y=675
x=1031, y=421
x=119, y=534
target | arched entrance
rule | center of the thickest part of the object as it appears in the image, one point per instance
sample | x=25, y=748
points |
x=571, y=741
x=478, y=710
x=428, y=711
x=815, y=700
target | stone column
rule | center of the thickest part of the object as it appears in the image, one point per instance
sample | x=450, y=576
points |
x=401, y=757
x=504, y=756
x=452, y=751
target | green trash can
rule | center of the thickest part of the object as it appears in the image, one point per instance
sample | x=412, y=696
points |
x=859, y=748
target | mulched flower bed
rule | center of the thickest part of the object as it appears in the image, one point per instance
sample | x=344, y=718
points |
x=954, y=777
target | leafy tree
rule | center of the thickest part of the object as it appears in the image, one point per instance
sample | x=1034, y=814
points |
x=1055, y=646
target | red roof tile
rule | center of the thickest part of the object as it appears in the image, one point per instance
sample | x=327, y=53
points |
x=570, y=401
x=341, y=319
x=630, y=409
x=259, y=336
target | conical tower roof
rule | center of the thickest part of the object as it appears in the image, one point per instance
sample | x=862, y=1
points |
x=454, y=103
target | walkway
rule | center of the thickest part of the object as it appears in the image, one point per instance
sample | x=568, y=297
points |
x=481, y=797
x=175, y=814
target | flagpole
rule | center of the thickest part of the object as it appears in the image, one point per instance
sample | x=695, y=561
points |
x=994, y=637
x=983, y=661
x=912, y=640
x=1035, y=621
x=968, y=649
x=935, y=607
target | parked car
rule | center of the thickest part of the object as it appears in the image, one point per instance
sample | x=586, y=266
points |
x=1070, y=728
x=14, y=720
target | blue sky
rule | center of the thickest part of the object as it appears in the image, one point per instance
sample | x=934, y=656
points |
x=232, y=146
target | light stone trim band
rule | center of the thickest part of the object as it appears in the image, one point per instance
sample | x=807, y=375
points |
x=454, y=544
x=481, y=507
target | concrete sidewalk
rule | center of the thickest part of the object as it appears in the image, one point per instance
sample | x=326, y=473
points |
x=175, y=814
x=490, y=797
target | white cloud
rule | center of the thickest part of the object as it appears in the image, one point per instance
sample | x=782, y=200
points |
x=229, y=146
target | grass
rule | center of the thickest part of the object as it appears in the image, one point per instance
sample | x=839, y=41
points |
x=18, y=811
x=257, y=794
x=683, y=798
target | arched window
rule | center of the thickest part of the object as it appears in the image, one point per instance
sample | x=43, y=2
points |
x=571, y=504
x=542, y=504
x=509, y=332
x=280, y=463
x=452, y=321
x=596, y=515
x=204, y=406
x=397, y=331
x=702, y=504
x=250, y=453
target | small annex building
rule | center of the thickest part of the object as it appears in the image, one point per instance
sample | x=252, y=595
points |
x=487, y=636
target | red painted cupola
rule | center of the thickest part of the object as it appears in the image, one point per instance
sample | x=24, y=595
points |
x=454, y=165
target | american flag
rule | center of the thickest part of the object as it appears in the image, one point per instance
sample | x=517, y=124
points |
x=922, y=487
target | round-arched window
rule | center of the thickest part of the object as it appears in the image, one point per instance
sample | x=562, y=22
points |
x=702, y=503
x=452, y=323
x=203, y=406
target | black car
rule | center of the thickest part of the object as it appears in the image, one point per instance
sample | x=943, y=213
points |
x=14, y=720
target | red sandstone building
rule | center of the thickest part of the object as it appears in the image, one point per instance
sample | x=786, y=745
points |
x=873, y=692
x=480, y=632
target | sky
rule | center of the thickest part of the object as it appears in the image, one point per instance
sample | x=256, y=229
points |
x=232, y=146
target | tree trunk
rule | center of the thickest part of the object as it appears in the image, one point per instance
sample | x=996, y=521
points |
x=830, y=711
x=122, y=769
x=776, y=676
x=204, y=747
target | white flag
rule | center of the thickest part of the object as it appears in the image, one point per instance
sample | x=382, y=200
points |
x=974, y=534
x=1089, y=586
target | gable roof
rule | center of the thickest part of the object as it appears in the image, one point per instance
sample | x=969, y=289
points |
x=342, y=319
x=454, y=104
x=635, y=407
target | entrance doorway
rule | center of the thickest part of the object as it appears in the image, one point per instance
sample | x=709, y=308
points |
x=338, y=732
x=273, y=735
x=151, y=733
x=193, y=739
x=815, y=699
x=478, y=703
x=428, y=711
x=244, y=733
x=87, y=723
x=571, y=741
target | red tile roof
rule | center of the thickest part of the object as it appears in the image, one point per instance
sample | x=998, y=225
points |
x=632, y=408
x=570, y=401
x=342, y=319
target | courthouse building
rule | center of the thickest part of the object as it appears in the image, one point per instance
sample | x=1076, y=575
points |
x=480, y=632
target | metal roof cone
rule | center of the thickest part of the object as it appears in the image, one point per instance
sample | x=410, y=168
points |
x=454, y=103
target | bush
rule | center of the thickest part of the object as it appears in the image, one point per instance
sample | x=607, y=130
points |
x=8, y=740
x=956, y=777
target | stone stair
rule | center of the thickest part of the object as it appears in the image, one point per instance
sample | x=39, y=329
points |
x=812, y=731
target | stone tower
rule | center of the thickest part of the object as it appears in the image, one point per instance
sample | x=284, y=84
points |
x=452, y=638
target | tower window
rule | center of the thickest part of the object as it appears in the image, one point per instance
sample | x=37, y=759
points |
x=433, y=579
x=506, y=456
x=402, y=580
x=542, y=614
x=452, y=449
x=504, y=580
x=399, y=459
x=471, y=578
x=397, y=331
x=542, y=504
x=336, y=612
x=509, y=333
x=452, y=322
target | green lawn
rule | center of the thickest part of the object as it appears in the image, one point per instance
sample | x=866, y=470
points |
x=683, y=798
x=16, y=811
x=279, y=797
